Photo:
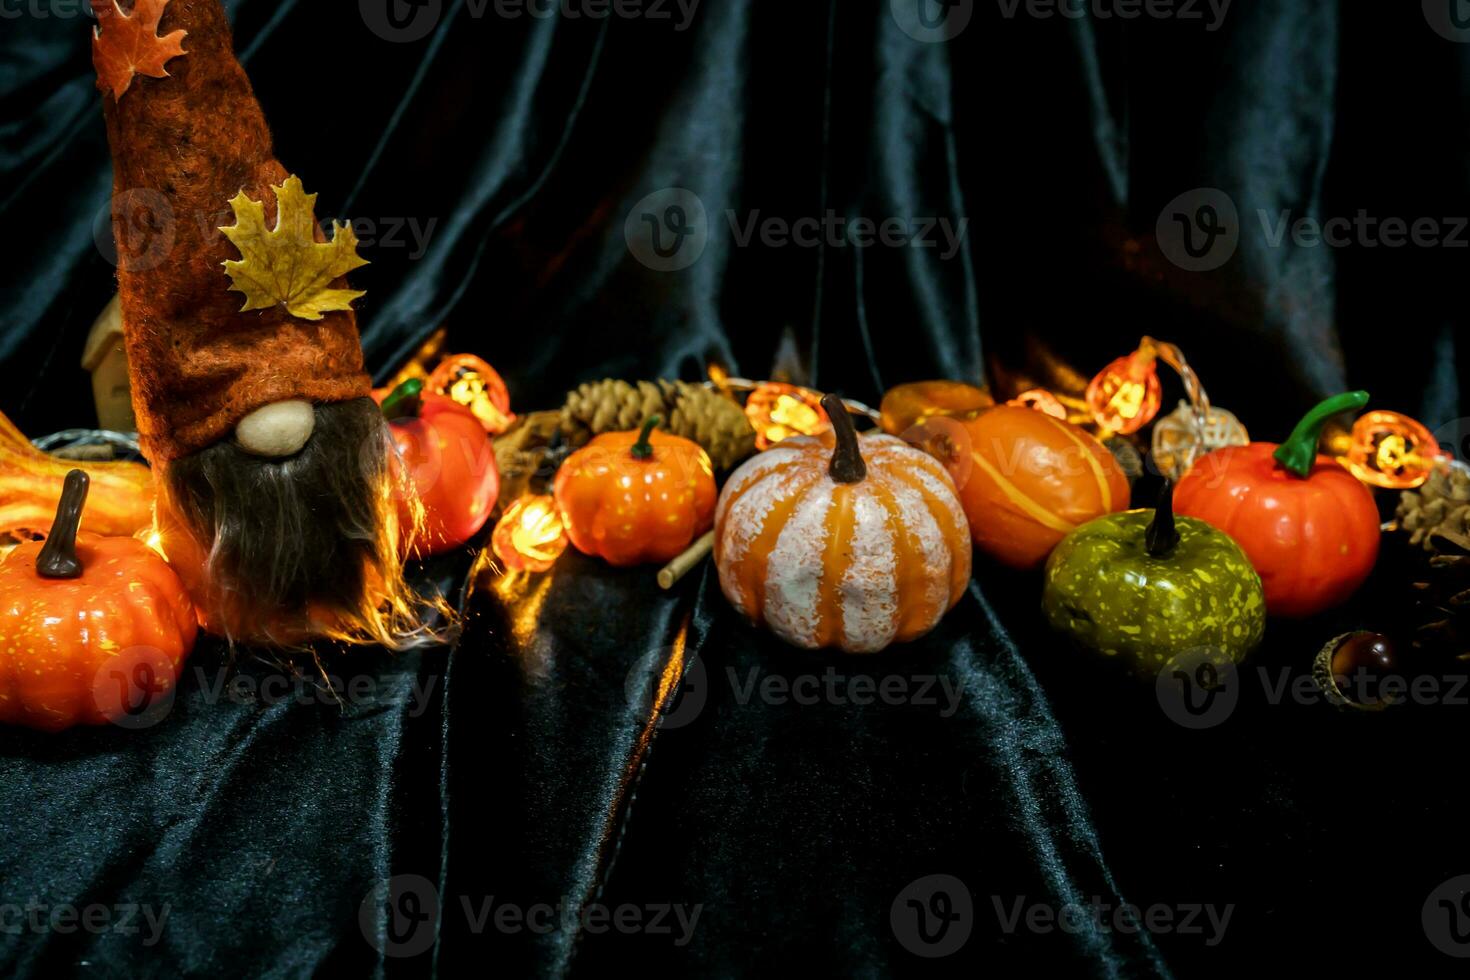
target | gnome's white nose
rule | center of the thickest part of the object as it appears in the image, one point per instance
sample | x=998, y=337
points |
x=276, y=430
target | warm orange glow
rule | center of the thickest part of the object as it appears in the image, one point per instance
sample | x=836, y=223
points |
x=779, y=411
x=1125, y=396
x=469, y=381
x=416, y=366
x=1040, y=400
x=530, y=537
x=1391, y=450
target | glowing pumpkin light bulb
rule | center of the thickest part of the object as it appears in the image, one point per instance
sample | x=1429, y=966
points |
x=530, y=536
x=779, y=411
x=469, y=381
x=1126, y=395
x=1391, y=450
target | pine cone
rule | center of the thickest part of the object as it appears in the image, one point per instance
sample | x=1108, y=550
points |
x=693, y=411
x=1441, y=505
x=609, y=405
x=1444, y=598
x=710, y=419
x=522, y=451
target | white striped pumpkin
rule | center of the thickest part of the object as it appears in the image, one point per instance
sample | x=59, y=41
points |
x=854, y=565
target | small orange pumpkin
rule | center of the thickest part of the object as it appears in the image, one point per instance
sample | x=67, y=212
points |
x=854, y=547
x=92, y=629
x=1034, y=480
x=636, y=497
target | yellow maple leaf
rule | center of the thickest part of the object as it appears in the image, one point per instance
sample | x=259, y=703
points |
x=287, y=265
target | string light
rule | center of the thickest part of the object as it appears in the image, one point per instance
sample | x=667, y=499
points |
x=1126, y=395
x=1391, y=450
x=469, y=381
x=530, y=536
x=779, y=411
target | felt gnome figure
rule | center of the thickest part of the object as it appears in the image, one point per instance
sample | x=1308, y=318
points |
x=276, y=502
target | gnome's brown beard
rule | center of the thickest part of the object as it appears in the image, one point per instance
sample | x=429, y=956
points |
x=276, y=551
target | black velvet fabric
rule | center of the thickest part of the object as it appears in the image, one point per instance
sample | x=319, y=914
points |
x=526, y=764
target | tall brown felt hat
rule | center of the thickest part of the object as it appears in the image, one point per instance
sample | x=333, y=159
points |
x=188, y=138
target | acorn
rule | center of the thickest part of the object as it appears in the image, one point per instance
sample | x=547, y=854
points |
x=1360, y=654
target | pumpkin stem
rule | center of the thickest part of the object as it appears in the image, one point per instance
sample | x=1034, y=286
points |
x=847, y=464
x=642, y=449
x=405, y=401
x=1297, y=454
x=1162, y=536
x=58, y=557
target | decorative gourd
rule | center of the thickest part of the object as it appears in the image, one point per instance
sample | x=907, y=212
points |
x=909, y=404
x=1147, y=588
x=1033, y=481
x=88, y=624
x=30, y=482
x=855, y=547
x=1309, y=527
x=634, y=498
x=445, y=451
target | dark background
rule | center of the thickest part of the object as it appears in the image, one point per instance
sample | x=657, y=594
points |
x=530, y=775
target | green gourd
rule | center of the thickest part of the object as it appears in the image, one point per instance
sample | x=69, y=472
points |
x=1149, y=588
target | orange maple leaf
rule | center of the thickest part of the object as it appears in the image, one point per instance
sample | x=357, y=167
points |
x=126, y=46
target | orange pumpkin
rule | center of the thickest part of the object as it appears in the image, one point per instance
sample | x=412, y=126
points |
x=854, y=547
x=92, y=629
x=1032, y=480
x=636, y=497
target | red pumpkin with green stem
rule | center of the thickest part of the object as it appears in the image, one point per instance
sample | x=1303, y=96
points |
x=1309, y=527
x=444, y=450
